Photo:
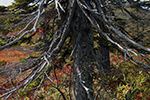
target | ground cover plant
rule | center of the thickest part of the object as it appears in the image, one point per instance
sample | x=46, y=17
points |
x=83, y=50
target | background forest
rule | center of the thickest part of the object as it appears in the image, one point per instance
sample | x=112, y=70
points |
x=40, y=49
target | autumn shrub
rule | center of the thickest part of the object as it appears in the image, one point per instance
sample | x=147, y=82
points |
x=3, y=62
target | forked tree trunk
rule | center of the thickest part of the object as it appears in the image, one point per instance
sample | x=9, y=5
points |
x=83, y=58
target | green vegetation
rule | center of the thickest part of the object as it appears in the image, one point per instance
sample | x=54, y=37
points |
x=125, y=82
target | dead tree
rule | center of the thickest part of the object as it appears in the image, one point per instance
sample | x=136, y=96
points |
x=78, y=20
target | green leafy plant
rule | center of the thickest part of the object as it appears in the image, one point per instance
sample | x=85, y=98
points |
x=130, y=94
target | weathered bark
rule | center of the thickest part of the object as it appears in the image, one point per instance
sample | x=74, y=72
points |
x=104, y=57
x=130, y=1
x=83, y=58
x=104, y=52
x=103, y=48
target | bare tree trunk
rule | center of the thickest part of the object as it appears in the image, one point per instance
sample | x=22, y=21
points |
x=104, y=57
x=83, y=57
x=104, y=51
x=103, y=48
x=130, y=1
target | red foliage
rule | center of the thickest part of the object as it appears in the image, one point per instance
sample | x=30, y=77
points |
x=48, y=19
x=10, y=34
x=138, y=98
x=40, y=30
x=57, y=80
x=12, y=56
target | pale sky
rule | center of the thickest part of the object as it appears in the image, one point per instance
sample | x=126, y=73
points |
x=6, y=2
